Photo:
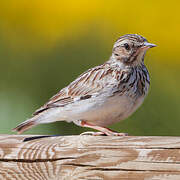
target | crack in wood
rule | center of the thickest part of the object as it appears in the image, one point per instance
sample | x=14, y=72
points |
x=138, y=170
x=87, y=157
x=36, y=160
x=158, y=162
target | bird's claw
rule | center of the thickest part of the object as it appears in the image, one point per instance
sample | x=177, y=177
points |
x=91, y=133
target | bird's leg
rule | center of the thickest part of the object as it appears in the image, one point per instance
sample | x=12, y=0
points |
x=103, y=130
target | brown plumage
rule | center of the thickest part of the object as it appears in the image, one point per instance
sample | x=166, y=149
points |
x=104, y=94
x=24, y=126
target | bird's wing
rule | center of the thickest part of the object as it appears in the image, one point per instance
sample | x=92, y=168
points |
x=85, y=86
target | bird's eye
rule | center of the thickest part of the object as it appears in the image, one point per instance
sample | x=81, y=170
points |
x=126, y=46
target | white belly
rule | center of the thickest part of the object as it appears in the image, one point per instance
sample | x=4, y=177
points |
x=100, y=112
x=103, y=113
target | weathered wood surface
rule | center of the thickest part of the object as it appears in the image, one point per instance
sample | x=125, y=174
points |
x=89, y=158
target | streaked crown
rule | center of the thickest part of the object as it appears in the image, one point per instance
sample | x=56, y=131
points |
x=131, y=37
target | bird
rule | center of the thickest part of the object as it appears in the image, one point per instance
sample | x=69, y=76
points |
x=102, y=95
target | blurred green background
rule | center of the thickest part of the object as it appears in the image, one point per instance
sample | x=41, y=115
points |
x=44, y=45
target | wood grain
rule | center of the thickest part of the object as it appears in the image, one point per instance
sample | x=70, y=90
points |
x=89, y=158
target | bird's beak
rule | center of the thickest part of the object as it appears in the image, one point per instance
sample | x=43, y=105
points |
x=148, y=45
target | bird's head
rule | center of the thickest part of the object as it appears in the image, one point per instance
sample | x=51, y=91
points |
x=130, y=49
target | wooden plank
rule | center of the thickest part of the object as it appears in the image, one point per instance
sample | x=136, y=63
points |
x=89, y=157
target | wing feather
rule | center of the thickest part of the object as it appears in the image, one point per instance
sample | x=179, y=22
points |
x=83, y=87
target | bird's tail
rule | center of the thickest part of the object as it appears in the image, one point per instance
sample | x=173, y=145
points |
x=24, y=126
x=47, y=116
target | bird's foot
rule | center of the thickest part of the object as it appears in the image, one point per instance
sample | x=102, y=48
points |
x=117, y=134
x=103, y=130
x=91, y=133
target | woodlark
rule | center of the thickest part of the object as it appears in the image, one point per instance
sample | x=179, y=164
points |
x=102, y=95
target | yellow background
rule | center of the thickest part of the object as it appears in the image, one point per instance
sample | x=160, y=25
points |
x=44, y=45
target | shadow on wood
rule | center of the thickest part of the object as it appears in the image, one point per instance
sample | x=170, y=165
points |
x=88, y=157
